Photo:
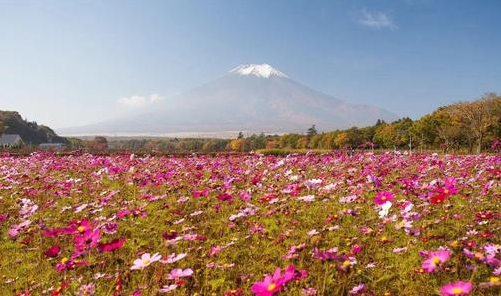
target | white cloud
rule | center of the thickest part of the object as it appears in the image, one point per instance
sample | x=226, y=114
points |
x=376, y=20
x=140, y=101
x=154, y=98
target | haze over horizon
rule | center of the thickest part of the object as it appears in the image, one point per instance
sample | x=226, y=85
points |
x=76, y=63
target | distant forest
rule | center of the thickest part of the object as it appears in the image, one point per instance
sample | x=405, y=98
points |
x=469, y=127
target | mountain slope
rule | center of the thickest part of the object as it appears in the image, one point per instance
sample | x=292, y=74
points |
x=11, y=122
x=249, y=98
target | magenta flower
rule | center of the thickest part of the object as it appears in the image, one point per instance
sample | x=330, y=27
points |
x=88, y=239
x=456, y=288
x=53, y=251
x=111, y=246
x=435, y=259
x=225, y=197
x=383, y=197
x=273, y=284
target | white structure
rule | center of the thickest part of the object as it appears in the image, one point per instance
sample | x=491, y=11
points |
x=10, y=141
x=52, y=146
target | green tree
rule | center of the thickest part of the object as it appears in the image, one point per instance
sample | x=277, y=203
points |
x=312, y=131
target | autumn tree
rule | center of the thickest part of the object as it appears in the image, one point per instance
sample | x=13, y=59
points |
x=476, y=117
x=237, y=145
x=341, y=139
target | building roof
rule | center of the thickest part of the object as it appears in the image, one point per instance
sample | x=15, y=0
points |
x=9, y=139
x=51, y=144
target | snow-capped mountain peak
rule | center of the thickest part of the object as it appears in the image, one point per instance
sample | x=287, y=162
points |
x=259, y=70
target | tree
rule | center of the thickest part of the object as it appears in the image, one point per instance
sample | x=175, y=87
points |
x=99, y=143
x=312, y=131
x=477, y=117
x=237, y=145
x=341, y=139
x=424, y=130
x=240, y=135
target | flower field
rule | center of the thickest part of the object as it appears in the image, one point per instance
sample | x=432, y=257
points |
x=386, y=224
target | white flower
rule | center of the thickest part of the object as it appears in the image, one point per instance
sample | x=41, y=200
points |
x=313, y=232
x=307, y=198
x=146, y=260
x=167, y=289
x=385, y=209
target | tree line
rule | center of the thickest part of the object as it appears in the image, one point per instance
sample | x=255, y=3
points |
x=469, y=127
x=463, y=126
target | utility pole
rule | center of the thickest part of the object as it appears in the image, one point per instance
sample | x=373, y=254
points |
x=410, y=144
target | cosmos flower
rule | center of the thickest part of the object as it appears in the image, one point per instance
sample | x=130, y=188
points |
x=53, y=251
x=145, y=260
x=383, y=197
x=438, y=199
x=179, y=273
x=172, y=258
x=456, y=288
x=88, y=239
x=309, y=291
x=307, y=198
x=86, y=290
x=273, y=284
x=111, y=246
x=435, y=259
x=385, y=209
x=358, y=289
x=169, y=288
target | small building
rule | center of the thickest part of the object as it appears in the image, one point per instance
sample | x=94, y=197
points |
x=52, y=146
x=10, y=141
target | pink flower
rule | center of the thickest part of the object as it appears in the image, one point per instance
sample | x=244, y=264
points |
x=358, y=289
x=309, y=291
x=179, y=273
x=16, y=229
x=3, y=217
x=86, y=290
x=169, y=288
x=273, y=284
x=172, y=258
x=456, y=288
x=435, y=259
x=383, y=197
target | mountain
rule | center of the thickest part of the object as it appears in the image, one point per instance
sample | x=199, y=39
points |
x=11, y=122
x=252, y=98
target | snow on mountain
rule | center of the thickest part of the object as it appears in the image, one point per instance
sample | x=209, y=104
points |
x=250, y=98
x=263, y=70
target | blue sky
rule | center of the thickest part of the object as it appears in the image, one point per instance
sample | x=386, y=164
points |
x=66, y=63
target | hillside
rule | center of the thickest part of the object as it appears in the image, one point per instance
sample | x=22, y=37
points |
x=11, y=122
